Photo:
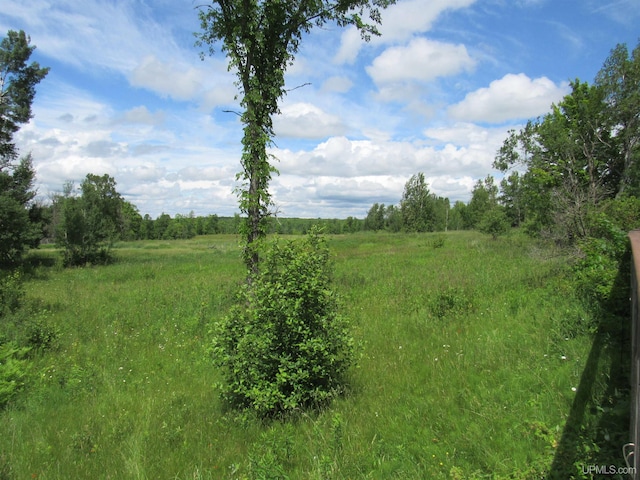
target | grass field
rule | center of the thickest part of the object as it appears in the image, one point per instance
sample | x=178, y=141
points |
x=473, y=356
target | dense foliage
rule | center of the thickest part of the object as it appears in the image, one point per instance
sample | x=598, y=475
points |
x=89, y=223
x=17, y=89
x=21, y=222
x=21, y=219
x=284, y=345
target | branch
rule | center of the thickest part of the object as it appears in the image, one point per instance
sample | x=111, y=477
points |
x=299, y=86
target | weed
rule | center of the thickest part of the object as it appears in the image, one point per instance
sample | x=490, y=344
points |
x=451, y=301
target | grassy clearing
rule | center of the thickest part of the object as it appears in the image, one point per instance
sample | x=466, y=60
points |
x=470, y=353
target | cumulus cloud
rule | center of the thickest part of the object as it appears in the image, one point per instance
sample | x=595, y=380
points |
x=340, y=157
x=468, y=134
x=512, y=97
x=421, y=60
x=400, y=22
x=404, y=19
x=304, y=120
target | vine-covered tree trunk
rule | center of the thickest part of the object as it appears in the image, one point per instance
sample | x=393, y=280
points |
x=260, y=39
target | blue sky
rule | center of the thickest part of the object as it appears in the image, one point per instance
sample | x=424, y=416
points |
x=128, y=95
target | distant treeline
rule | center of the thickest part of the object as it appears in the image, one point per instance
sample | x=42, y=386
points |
x=165, y=227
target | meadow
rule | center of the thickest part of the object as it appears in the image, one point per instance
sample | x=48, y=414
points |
x=476, y=359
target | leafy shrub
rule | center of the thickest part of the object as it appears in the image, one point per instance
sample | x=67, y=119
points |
x=13, y=372
x=283, y=345
x=451, y=301
x=494, y=222
x=438, y=242
x=40, y=333
x=78, y=256
x=11, y=292
x=603, y=269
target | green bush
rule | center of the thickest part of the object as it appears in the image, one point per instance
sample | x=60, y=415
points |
x=13, y=372
x=494, y=222
x=603, y=269
x=284, y=346
x=11, y=292
x=451, y=301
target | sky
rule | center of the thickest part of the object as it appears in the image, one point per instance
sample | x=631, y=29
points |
x=129, y=95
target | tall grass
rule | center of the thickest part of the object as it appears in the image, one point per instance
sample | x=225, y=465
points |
x=471, y=355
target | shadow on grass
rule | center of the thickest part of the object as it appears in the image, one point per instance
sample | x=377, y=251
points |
x=598, y=423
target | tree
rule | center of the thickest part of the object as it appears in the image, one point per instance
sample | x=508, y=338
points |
x=494, y=222
x=131, y=222
x=417, y=205
x=570, y=159
x=619, y=79
x=17, y=89
x=375, y=217
x=21, y=219
x=393, y=219
x=457, y=215
x=90, y=223
x=483, y=199
x=511, y=197
x=261, y=39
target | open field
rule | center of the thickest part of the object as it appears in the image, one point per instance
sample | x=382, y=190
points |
x=472, y=356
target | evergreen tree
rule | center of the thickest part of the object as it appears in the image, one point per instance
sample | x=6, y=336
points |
x=21, y=219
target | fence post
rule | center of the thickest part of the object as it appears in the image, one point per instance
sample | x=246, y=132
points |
x=634, y=461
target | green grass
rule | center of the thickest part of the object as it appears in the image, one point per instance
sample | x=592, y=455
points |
x=470, y=351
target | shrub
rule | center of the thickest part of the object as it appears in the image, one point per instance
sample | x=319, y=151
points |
x=451, y=301
x=494, y=222
x=13, y=372
x=603, y=269
x=11, y=292
x=284, y=346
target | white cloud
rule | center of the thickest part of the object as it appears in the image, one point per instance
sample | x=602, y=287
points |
x=406, y=18
x=170, y=80
x=400, y=22
x=90, y=34
x=421, y=60
x=304, y=120
x=143, y=116
x=512, y=97
x=340, y=157
x=469, y=134
x=350, y=44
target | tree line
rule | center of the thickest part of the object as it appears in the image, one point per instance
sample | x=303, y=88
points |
x=421, y=210
x=562, y=173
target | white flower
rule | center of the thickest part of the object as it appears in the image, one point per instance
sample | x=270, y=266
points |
x=574, y=389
